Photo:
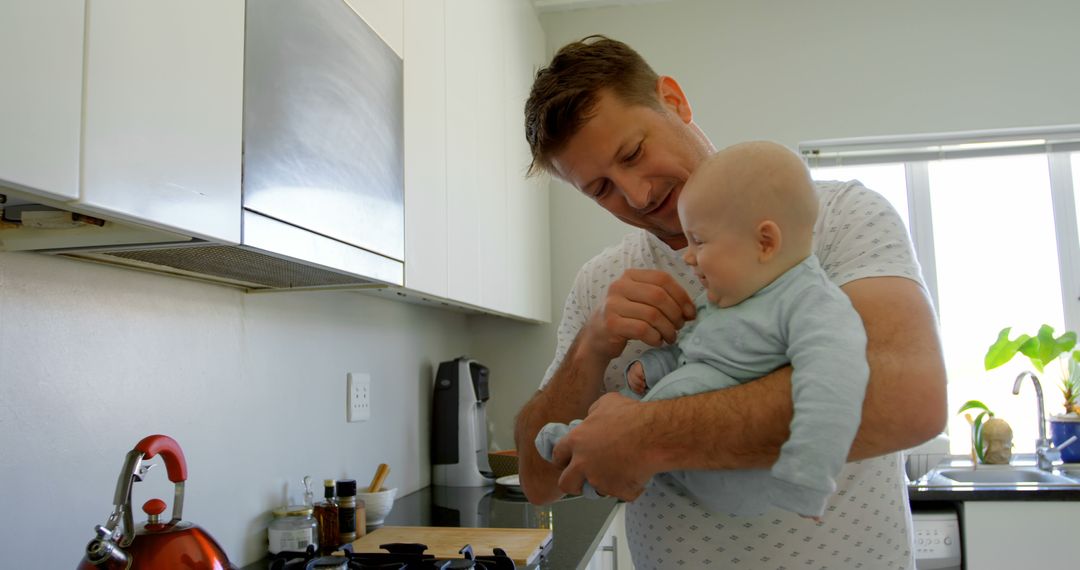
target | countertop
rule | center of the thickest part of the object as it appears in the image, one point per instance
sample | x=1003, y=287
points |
x=576, y=523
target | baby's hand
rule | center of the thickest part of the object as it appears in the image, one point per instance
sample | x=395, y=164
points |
x=635, y=378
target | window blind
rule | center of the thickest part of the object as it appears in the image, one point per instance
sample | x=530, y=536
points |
x=940, y=146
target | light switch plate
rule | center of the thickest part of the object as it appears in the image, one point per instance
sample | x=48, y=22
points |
x=359, y=397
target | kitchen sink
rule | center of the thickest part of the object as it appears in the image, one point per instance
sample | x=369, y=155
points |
x=997, y=475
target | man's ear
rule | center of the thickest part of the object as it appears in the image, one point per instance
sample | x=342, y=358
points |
x=672, y=97
x=769, y=239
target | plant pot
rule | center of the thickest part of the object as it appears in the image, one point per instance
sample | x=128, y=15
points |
x=1062, y=427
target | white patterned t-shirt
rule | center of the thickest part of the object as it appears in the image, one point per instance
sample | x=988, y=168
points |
x=867, y=523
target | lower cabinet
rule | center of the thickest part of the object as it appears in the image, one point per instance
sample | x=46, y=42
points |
x=613, y=552
x=1020, y=534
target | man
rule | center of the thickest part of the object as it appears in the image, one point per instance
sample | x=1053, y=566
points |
x=602, y=120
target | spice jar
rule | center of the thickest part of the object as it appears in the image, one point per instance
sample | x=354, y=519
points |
x=346, y=497
x=293, y=530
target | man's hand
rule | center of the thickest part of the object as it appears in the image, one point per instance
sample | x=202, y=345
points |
x=604, y=450
x=642, y=304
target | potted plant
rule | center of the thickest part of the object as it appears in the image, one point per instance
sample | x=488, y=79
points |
x=1043, y=349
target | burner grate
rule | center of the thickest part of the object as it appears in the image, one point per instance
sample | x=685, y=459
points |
x=398, y=556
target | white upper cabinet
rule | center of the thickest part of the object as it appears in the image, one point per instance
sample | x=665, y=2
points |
x=476, y=229
x=528, y=266
x=464, y=120
x=41, y=62
x=163, y=114
x=426, y=224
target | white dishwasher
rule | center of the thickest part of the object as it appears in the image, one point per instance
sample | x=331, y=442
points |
x=937, y=539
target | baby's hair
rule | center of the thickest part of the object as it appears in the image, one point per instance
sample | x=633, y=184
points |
x=761, y=180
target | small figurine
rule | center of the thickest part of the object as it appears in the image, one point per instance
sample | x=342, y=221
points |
x=997, y=436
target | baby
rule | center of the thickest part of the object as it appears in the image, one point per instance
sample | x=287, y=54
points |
x=748, y=213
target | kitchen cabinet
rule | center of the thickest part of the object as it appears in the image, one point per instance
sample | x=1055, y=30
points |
x=1018, y=534
x=127, y=109
x=476, y=230
x=163, y=114
x=41, y=62
x=613, y=551
x=426, y=219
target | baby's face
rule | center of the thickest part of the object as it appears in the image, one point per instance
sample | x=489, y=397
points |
x=723, y=253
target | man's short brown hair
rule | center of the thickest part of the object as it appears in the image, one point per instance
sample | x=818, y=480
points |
x=564, y=94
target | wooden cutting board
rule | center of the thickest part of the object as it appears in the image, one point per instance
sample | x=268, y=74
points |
x=523, y=545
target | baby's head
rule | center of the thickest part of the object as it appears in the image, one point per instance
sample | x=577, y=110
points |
x=748, y=212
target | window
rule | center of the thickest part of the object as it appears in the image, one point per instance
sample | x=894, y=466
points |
x=993, y=219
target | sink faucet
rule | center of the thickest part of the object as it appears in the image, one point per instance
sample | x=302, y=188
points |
x=1048, y=456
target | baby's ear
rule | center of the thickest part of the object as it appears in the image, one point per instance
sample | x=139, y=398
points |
x=769, y=238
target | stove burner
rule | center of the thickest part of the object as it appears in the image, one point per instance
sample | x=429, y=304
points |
x=398, y=556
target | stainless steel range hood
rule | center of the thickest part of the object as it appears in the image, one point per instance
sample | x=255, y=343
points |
x=322, y=167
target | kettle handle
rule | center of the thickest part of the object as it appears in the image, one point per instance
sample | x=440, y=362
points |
x=170, y=451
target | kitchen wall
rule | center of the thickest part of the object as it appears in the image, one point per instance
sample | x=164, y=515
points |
x=793, y=71
x=252, y=386
x=93, y=358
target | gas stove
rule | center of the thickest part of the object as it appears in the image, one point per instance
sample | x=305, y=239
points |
x=397, y=557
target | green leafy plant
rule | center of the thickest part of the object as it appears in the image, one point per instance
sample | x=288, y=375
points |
x=977, y=426
x=1042, y=349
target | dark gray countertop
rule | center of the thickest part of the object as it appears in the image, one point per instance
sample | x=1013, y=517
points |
x=576, y=523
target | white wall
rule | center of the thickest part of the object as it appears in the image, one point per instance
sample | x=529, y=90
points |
x=791, y=71
x=94, y=358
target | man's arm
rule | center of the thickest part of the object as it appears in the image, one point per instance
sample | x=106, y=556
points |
x=743, y=427
x=646, y=305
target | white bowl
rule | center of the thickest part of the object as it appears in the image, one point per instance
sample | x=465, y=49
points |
x=377, y=505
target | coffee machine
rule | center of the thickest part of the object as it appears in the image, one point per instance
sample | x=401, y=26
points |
x=459, y=444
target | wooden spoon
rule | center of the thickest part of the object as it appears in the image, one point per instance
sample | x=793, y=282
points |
x=380, y=476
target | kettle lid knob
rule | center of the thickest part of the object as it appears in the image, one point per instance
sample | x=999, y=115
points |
x=153, y=508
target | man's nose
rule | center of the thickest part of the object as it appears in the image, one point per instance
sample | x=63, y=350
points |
x=636, y=190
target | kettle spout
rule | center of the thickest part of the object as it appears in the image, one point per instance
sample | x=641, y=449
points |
x=103, y=553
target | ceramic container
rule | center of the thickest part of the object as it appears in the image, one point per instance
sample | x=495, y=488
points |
x=377, y=505
x=1062, y=427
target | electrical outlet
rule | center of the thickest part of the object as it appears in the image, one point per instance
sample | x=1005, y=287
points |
x=359, y=397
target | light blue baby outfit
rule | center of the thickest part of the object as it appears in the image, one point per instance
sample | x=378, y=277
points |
x=800, y=318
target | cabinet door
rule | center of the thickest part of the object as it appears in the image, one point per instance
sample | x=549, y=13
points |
x=613, y=553
x=41, y=66
x=528, y=264
x=426, y=220
x=492, y=16
x=163, y=114
x=463, y=159
x=1016, y=534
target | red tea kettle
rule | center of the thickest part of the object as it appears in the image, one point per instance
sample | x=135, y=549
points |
x=154, y=545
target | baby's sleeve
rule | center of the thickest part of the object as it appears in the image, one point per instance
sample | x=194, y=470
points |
x=658, y=362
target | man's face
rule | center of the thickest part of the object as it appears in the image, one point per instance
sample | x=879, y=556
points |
x=633, y=161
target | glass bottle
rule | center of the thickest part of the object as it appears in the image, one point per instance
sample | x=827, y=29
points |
x=346, y=501
x=326, y=514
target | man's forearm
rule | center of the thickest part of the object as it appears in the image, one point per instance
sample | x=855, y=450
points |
x=567, y=396
x=743, y=427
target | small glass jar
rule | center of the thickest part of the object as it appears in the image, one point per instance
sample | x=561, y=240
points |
x=293, y=530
